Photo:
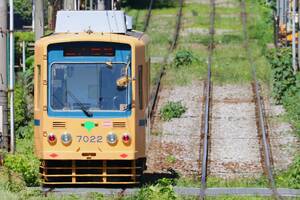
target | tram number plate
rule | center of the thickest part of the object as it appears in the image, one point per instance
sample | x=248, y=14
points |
x=89, y=139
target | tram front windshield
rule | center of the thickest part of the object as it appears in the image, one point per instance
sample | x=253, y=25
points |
x=91, y=86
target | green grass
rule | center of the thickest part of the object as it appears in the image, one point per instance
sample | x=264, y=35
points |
x=227, y=197
x=161, y=29
x=239, y=182
x=198, y=16
x=220, y=182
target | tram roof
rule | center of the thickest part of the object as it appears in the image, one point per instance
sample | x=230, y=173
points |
x=93, y=21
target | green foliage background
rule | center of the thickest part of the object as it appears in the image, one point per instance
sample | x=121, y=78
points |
x=23, y=8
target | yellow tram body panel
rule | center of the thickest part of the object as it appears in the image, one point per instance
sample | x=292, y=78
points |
x=82, y=155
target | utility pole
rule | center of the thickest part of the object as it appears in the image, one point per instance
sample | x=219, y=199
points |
x=91, y=4
x=32, y=14
x=3, y=73
x=39, y=19
x=294, y=35
x=69, y=5
x=100, y=5
x=11, y=75
x=298, y=34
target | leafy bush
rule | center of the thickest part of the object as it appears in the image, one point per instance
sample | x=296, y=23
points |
x=172, y=110
x=28, y=85
x=24, y=99
x=20, y=107
x=19, y=38
x=23, y=8
x=163, y=190
x=291, y=103
x=11, y=181
x=24, y=161
x=25, y=164
x=291, y=178
x=282, y=72
x=261, y=29
x=294, y=174
x=183, y=58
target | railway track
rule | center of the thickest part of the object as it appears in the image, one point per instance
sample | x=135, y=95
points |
x=207, y=93
x=188, y=191
x=157, y=84
x=148, y=16
x=259, y=107
x=261, y=118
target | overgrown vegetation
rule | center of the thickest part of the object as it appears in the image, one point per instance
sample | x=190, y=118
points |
x=172, y=110
x=262, y=28
x=163, y=190
x=23, y=165
x=27, y=37
x=290, y=178
x=286, y=91
x=282, y=72
x=183, y=58
x=24, y=100
x=23, y=10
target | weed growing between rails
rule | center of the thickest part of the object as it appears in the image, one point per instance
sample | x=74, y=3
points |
x=172, y=110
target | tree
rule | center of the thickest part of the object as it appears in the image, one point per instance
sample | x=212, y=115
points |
x=53, y=7
x=24, y=9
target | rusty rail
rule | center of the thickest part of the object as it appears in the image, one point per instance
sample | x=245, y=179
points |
x=155, y=91
x=148, y=16
x=207, y=107
x=262, y=128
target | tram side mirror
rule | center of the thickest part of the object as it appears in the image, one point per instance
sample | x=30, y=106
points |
x=123, y=81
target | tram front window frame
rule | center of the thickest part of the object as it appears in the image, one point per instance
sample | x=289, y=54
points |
x=76, y=87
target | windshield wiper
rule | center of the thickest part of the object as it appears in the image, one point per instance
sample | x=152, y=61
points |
x=82, y=107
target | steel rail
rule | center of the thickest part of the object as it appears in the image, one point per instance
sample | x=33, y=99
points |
x=178, y=25
x=184, y=191
x=146, y=24
x=155, y=91
x=207, y=99
x=261, y=121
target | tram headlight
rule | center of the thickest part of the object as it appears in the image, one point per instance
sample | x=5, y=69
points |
x=126, y=138
x=112, y=138
x=66, y=138
x=52, y=139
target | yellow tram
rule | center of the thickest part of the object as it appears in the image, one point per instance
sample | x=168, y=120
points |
x=90, y=99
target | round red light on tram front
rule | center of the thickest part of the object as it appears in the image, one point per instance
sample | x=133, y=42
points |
x=51, y=138
x=126, y=138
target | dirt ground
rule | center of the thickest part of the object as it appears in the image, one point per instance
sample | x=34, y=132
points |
x=234, y=148
x=234, y=141
x=175, y=144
